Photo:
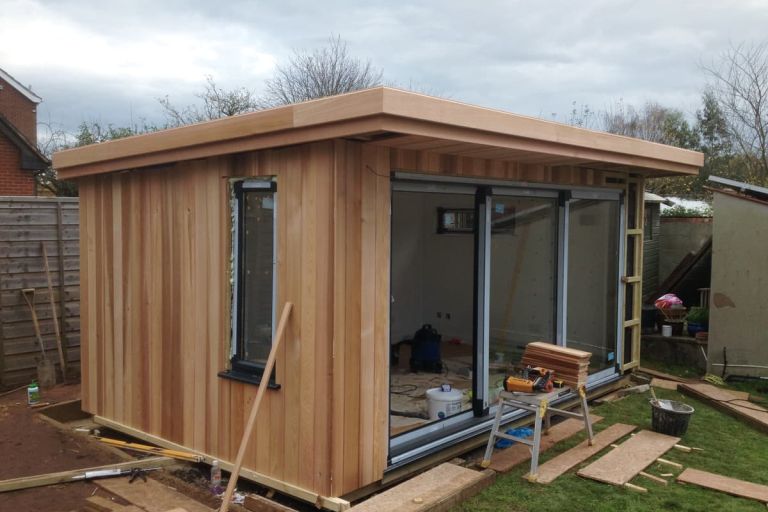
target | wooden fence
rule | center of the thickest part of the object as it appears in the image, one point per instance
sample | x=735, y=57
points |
x=25, y=224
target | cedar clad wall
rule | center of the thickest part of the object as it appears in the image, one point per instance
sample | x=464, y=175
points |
x=156, y=319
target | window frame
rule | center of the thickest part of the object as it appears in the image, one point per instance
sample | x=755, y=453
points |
x=241, y=369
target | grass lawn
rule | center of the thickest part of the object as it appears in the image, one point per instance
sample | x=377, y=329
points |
x=731, y=448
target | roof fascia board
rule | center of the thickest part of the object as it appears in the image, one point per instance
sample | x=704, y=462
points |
x=413, y=127
x=23, y=90
x=488, y=127
x=427, y=108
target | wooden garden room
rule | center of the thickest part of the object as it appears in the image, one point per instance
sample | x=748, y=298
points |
x=375, y=213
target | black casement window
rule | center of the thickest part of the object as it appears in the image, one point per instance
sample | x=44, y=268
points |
x=254, y=278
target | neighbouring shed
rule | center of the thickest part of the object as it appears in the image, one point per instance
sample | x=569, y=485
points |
x=738, y=324
x=374, y=213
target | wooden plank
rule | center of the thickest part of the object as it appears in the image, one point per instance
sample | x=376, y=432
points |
x=662, y=375
x=664, y=384
x=728, y=402
x=622, y=464
x=504, y=460
x=28, y=482
x=557, y=466
x=437, y=489
x=330, y=503
x=151, y=495
x=256, y=503
x=725, y=484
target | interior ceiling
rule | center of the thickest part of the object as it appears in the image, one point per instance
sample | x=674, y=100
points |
x=471, y=150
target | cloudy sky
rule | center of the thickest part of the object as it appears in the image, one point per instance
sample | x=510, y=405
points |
x=110, y=61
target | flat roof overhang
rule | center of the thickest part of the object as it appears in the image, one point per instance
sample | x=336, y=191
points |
x=392, y=118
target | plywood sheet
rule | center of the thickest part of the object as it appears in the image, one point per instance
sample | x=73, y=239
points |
x=428, y=490
x=730, y=402
x=631, y=457
x=555, y=467
x=504, y=460
x=725, y=484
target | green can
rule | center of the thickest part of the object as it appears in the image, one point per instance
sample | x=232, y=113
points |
x=33, y=393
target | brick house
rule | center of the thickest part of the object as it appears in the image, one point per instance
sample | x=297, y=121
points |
x=19, y=156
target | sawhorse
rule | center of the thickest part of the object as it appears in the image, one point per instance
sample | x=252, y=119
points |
x=539, y=404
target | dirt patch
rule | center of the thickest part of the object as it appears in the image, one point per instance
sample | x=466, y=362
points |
x=30, y=446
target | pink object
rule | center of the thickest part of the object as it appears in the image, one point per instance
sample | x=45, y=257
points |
x=668, y=300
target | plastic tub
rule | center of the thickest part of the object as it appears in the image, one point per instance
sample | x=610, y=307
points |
x=670, y=417
x=443, y=403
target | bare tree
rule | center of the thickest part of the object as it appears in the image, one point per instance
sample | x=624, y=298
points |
x=319, y=73
x=216, y=103
x=739, y=82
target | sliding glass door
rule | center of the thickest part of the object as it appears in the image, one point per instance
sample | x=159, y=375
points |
x=478, y=272
x=593, y=279
x=523, y=278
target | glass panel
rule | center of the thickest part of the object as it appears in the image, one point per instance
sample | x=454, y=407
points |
x=257, y=240
x=593, y=256
x=432, y=308
x=522, y=277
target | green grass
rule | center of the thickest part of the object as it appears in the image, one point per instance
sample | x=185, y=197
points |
x=731, y=448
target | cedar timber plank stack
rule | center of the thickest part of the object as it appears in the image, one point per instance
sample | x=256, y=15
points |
x=621, y=465
x=570, y=365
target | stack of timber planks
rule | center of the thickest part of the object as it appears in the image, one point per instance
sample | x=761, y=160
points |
x=570, y=365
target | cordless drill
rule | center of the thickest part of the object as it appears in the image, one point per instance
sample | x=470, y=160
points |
x=534, y=380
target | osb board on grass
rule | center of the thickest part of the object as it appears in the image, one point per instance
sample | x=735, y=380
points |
x=729, y=402
x=725, y=484
x=504, y=460
x=438, y=489
x=631, y=457
x=555, y=467
x=152, y=496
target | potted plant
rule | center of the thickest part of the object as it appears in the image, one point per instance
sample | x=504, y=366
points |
x=698, y=320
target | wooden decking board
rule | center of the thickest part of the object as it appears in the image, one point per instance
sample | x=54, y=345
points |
x=725, y=484
x=437, y=489
x=619, y=466
x=729, y=402
x=504, y=460
x=555, y=467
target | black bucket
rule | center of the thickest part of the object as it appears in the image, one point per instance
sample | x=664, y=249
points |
x=670, y=417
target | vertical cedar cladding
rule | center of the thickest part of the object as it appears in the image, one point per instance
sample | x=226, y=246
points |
x=156, y=310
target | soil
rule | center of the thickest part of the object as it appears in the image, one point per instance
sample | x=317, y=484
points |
x=30, y=446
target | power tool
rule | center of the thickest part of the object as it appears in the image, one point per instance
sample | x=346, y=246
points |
x=534, y=380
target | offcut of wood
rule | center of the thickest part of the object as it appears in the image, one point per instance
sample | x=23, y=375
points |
x=504, y=460
x=557, y=466
x=729, y=402
x=622, y=464
x=725, y=484
x=438, y=489
x=664, y=384
x=256, y=503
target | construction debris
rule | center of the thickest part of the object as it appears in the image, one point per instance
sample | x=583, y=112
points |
x=77, y=475
x=622, y=464
x=729, y=402
x=642, y=388
x=725, y=484
x=143, y=448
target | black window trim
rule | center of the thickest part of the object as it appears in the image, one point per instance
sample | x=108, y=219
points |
x=241, y=370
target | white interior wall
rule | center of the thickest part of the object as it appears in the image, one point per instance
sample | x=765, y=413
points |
x=431, y=272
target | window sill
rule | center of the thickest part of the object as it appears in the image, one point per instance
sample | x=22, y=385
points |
x=248, y=378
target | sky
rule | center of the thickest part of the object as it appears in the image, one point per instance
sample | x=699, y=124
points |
x=109, y=62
